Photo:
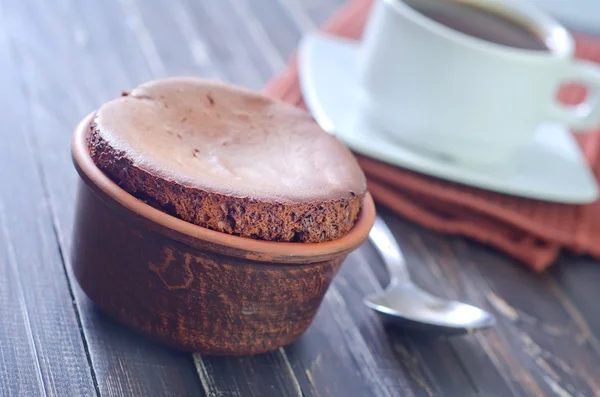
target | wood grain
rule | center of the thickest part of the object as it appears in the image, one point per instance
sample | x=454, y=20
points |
x=41, y=348
x=572, y=279
x=264, y=375
x=68, y=68
x=537, y=347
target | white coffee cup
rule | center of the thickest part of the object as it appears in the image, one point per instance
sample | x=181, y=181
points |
x=463, y=97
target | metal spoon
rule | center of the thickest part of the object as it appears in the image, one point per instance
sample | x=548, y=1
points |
x=405, y=304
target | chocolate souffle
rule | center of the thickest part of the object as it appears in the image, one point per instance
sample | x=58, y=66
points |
x=228, y=159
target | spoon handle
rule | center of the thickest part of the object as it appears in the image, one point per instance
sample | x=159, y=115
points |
x=382, y=238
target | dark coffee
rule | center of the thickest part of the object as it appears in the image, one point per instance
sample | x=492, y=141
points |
x=478, y=22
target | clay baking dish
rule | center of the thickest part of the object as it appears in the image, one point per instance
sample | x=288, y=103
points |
x=190, y=287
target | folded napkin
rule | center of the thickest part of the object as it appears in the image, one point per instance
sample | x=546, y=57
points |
x=531, y=231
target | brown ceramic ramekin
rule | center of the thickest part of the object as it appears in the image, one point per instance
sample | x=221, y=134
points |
x=190, y=287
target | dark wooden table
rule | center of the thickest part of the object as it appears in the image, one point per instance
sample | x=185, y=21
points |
x=60, y=59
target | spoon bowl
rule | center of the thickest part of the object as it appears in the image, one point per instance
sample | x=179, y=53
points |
x=404, y=304
x=411, y=307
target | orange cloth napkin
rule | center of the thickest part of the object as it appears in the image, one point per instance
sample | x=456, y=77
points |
x=529, y=230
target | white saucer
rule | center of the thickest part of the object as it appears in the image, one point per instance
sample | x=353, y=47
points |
x=551, y=168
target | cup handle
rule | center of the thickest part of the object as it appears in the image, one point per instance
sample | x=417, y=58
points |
x=585, y=115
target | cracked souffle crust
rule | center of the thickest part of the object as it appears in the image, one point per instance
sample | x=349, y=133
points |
x=228, y=159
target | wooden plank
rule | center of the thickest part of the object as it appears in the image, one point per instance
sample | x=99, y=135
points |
x=575, y=278
x=26, y=376
x=549, y=330
x=248, y=376
x=428, y=362
x=262, y=375
x=438, y=355
x=346, y=352
x=248, y=35
x=539, y=346
x=210, y=23
x=426, y=270
x=68, y=69
x=42, y=352
x=278, y=24
x=169, y=30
